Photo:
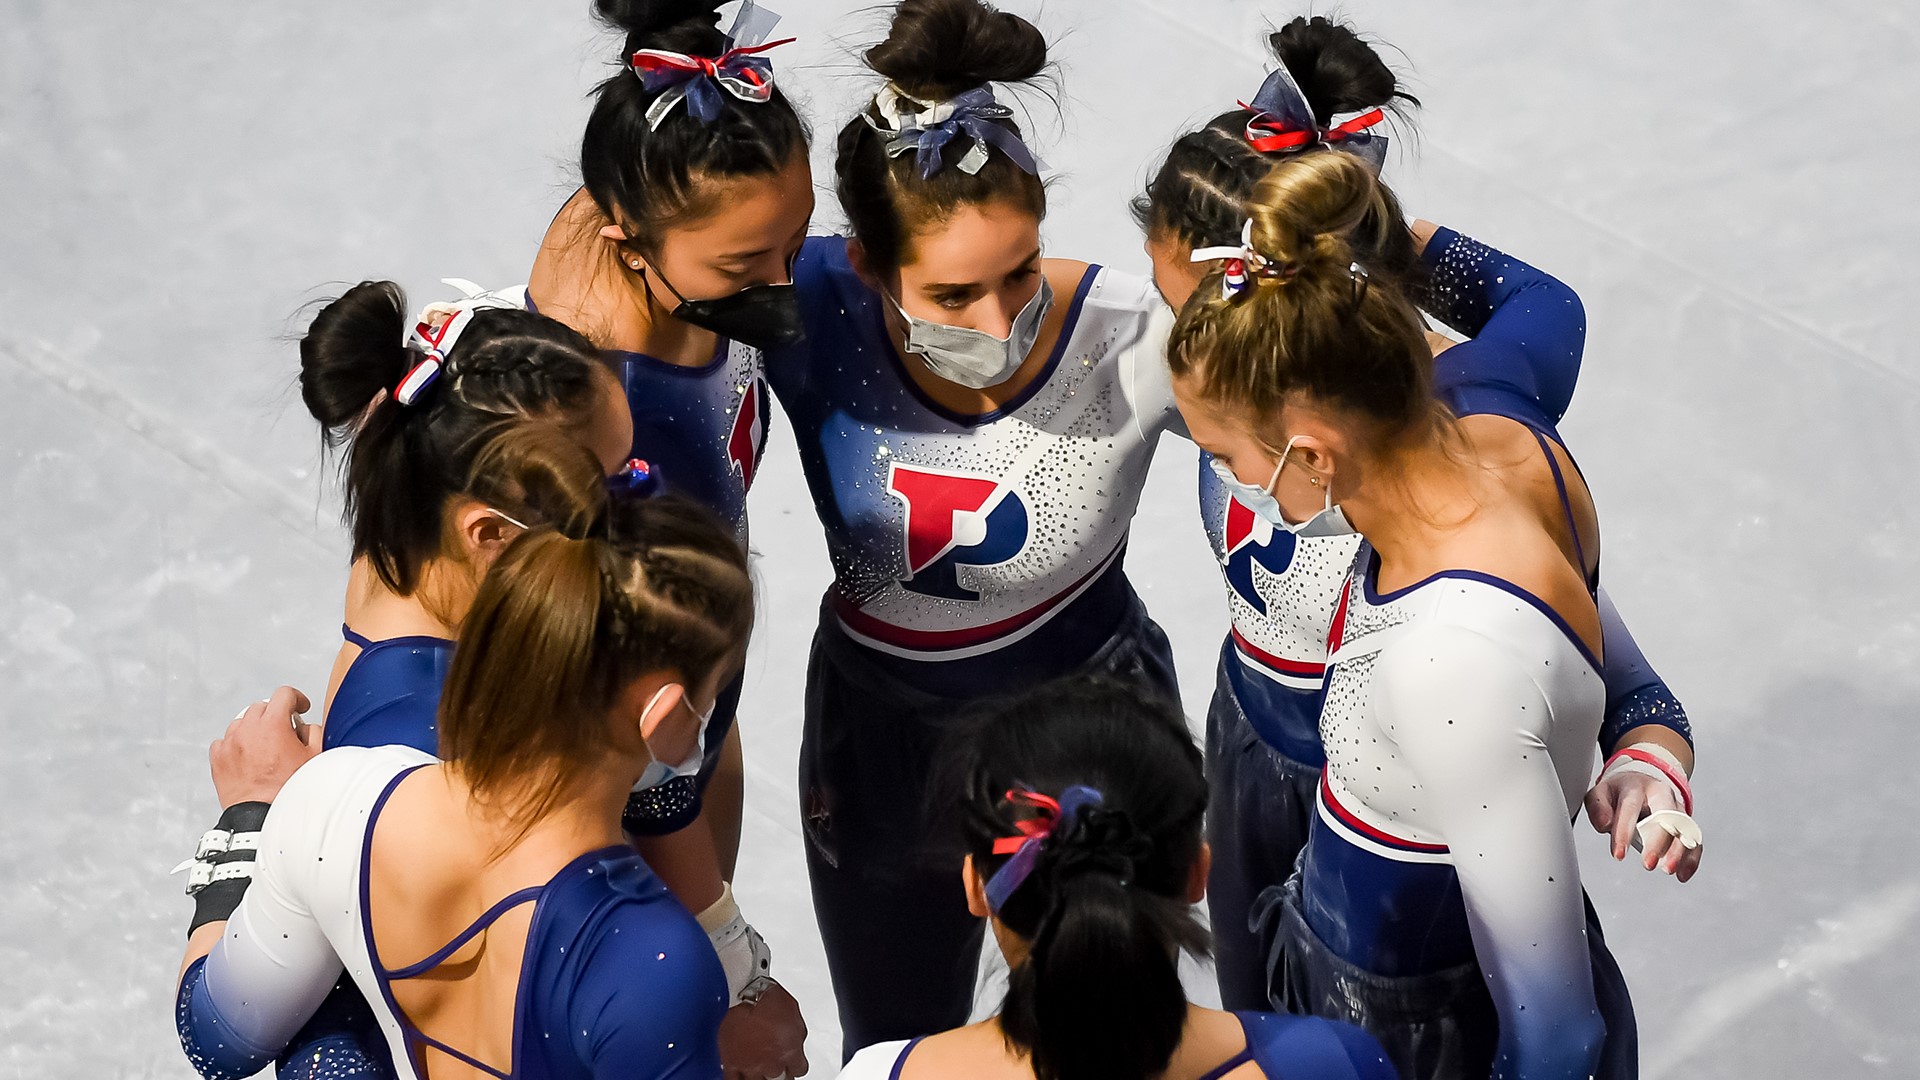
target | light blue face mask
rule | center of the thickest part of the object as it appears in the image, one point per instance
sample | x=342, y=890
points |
x=659, y=772
x=1330, y=521
x=970, y=357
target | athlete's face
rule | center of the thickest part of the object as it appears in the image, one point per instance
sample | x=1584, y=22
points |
x=750, y=239
x=1175, y=273
x=1245, y=444
x=976, y=269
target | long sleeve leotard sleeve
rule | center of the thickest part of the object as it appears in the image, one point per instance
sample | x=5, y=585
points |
x=240, y=1006
x=1474, y=726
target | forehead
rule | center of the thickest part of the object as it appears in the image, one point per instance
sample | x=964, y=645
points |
x=749, y=212
x=975, y=243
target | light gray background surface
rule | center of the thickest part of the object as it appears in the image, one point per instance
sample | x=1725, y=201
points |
x=1727, y=185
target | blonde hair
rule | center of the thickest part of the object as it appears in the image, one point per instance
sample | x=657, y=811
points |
x=570, y=615
x=1313, y=321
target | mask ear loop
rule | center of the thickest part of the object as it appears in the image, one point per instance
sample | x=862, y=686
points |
x=1275, y=478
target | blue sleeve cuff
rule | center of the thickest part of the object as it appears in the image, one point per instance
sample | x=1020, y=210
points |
x=213, y=1048
x=1652, y=703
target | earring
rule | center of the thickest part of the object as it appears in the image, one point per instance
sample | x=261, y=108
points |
x=1314, y=480
x=635, y=264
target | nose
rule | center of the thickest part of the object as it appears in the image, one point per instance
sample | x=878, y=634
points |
x=996, y=317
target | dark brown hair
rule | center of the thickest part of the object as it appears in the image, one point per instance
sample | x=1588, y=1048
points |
x=646, y=178
x=1199, y=193
x=404, y=463
x=569, y=617
x=1104, y=911
x=935, y=50
x=1308, y=324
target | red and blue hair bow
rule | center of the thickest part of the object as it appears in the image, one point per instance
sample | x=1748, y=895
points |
x=699, y=80
x=1283, y=121
x=1025, y=846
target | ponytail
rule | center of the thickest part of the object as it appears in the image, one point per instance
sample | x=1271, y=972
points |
x=568, y=617
x=1099, y=994
x=404, y=463
x=1102, y=903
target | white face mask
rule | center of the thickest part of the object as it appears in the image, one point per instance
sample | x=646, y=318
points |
x=1330, y=521
x=659, y=772
x=969, y=357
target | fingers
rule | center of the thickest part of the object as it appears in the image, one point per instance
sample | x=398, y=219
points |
x=288, y=700
x=1656, y=846
x=1632, y=801
x=1599, y=810
x=796, y=1063
x=1688, y=863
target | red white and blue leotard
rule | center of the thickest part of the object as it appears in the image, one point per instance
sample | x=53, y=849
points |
x=969, y=544
x=1459, y=725
x=705, y=427
x=1522, y=362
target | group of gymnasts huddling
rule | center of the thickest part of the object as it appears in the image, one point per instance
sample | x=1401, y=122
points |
x=507, y=850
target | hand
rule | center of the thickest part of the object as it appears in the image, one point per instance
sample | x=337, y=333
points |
x=1620, y=800
x=263, y=746
x=764, y=1038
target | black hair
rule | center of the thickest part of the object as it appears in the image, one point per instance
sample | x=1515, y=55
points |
x=935, y=50
x=1199, y=194
x=404, y=462
x=1104, y=910
x=644, y=178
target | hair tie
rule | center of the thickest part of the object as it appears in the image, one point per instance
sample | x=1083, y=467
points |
x=698, y=80
x=1240, y=264
x=435, y=330
x=637, y=480
x=1025, y=846
x=1282, y=122
x=927, y=133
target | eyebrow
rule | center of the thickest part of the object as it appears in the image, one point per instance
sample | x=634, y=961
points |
x=961, y=286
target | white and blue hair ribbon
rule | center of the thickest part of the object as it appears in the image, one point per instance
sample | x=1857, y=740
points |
x=698, y=81
x=1034, y=833
x=926, y=133
x=437, y=328
x=1283, y=121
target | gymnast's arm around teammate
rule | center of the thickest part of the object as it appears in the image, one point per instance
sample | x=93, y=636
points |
x=488, y=905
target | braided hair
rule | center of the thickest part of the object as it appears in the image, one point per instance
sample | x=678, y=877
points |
x=569, y=616
x=403, y=464
x=1104, y=910
x=1199, y=194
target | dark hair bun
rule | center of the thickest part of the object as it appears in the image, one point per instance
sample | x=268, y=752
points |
x=1337, y=71
x=354, y=349
x=939, y=48
x=662, y=24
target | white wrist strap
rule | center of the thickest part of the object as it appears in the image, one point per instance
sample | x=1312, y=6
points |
x=744, y=954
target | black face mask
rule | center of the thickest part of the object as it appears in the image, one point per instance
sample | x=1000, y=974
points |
x=758, y=316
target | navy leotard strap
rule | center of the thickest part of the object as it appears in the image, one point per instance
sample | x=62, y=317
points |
x=901, y=1061
x=508, y=903
x=1227, y=1066
x=1566, y=505
x=355, y=639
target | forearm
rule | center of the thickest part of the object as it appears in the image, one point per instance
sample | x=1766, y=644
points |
x=686, y=860
x=724, y=803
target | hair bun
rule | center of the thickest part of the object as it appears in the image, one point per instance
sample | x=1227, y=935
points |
x=658, y=23
x=1336, y=69
x=936, y=49
x=351, y=352
x=1305, y=212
